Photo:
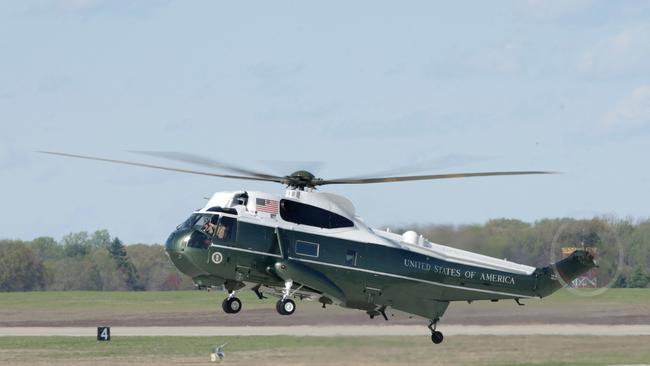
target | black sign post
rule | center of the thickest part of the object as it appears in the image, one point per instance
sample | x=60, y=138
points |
x=103, y=334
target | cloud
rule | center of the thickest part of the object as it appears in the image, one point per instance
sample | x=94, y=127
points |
x=624, y=52
x=631, y=111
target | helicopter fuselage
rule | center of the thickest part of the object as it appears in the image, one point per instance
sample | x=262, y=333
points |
x=315, y=243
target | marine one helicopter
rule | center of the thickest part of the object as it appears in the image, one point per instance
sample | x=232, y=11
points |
x=307, y=244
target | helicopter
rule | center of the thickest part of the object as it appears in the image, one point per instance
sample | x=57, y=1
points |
x=308, y=244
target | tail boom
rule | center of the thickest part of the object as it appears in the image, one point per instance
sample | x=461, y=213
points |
x=553, y=277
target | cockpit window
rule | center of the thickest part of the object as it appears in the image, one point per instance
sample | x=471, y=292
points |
x=199, y=240
x=304, y=214
x=226, y=229
x=203, y=222
x=209, y=226
x=189, y=222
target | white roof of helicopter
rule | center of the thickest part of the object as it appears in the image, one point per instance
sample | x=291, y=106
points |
x=360, y=232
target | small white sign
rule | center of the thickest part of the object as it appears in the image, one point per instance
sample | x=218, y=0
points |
x=104, y=334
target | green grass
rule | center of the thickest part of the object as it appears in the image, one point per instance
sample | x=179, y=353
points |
x=282, y=350
x=611, y=296
x=136, y=301
x=196, y=300
x=66, y=307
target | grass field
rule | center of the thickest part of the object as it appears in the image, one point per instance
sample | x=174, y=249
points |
x=615, y=306
x=467, y=350
x=622, y=306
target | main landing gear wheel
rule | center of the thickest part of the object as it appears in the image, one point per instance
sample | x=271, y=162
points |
x=285, y=306
x=231, y=305
x=436, y=337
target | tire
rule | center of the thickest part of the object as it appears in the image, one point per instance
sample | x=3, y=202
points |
x=285, y=307
x=231, y=305
x=288, y=306
x=278, y=307
x=437, y=337
x=225, y=307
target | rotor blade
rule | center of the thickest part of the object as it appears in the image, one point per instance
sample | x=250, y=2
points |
x=201, y=160
x=279, y=180
x=442, y=162
x=425, y=177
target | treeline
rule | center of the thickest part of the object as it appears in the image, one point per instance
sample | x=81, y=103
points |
x=622, y=245
x=84, y=261
x=96, y=261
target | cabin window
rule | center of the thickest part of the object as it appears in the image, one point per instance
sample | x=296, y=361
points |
x=306, y=248
x=351, y=258
x=226, y=229
x=303, y=214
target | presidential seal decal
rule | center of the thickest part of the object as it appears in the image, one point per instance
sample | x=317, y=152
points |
x=217, y=257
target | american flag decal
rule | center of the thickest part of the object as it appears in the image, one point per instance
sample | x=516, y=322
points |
x=266, y=205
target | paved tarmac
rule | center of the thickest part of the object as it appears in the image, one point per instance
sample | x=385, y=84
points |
x=340, y=330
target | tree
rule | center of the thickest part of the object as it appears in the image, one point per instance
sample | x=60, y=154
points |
x=100, y=239
x=638, y=278
x=124, y=265
x=46, y=248
x=20, y=269
x=75, y=274
x=76, y=244
x=155, y=270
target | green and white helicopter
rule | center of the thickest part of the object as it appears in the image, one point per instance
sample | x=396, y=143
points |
x=308, y=244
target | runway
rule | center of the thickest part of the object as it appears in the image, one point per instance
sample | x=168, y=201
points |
x=339, y=330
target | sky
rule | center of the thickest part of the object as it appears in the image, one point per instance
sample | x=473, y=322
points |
x=362, y=87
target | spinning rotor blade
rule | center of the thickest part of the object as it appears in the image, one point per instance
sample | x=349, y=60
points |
x=270, y=179
x=298, y=180
x=425, y=177
x=442, y=162
x=201, y=160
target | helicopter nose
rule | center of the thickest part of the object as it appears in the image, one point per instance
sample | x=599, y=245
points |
x=176, y=242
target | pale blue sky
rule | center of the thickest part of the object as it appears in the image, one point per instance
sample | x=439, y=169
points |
x=363, y=86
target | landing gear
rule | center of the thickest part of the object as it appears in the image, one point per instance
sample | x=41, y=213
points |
x=285, y=306
x=231, y=304
x=436, y=336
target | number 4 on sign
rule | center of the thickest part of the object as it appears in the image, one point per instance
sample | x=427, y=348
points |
x=103, y=333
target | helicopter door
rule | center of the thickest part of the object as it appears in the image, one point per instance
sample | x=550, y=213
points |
x=372, y=284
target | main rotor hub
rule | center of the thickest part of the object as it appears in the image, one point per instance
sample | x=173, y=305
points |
x=302, y=179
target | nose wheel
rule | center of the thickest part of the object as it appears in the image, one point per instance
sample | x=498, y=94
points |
x=231, y=305
x=436, y=336
x=285, y=306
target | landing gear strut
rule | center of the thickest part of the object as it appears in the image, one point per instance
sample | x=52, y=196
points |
x=436, y=336
x=286, y=306
x=231, y=304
